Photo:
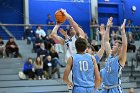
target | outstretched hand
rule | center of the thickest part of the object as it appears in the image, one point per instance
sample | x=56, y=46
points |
x=102, y=29
x=65, y=13
x=123, y=25
x=63, y=10
x=110, y=23
x=64, y=33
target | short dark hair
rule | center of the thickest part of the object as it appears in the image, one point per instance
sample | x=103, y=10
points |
x=91, y=47
x=29, y=58
x=81, y=44
x=119, y=42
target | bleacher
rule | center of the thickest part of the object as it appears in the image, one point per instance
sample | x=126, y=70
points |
x=10, y=82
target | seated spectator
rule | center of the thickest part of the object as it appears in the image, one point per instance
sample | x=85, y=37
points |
x=28, y=69
x=131, y=45
x=138, y=56
x=36, y=44
x=41, y=32
x=2, y=48
x=29, y=34
x=49, y=42
x=38, y=66
x=50, y=67
x=42, y=52
x=12, y=48
x=55, y=57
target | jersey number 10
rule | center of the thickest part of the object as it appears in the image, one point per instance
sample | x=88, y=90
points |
x=83, y=65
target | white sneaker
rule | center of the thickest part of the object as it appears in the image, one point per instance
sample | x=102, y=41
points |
x=43, y=78
x=39, y=78
x=69, y=88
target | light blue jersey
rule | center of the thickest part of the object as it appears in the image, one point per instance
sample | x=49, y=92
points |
x=83, y=73
x=111, y=76
x=97, y=58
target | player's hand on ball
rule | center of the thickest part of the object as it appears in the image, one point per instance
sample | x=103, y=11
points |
x=65, y=13
x=63, y=10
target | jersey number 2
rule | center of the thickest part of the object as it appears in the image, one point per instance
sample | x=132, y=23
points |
x=83, y=65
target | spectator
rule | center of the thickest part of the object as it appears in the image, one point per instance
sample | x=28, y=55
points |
x=47, y=67
x=36, y=44
x=131, y=45
x=49, y=42
x=38, y=66
x=130, y=24
x=55, y=57
x=49, y=22
x=138, y=56
x=29, y=34
x=50, y=67
x=42, y=52
x=41, y=32
x=12, y=48
x=2, y=48
x=28, y=69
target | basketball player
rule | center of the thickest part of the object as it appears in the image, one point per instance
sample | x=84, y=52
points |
x=84, y=68
x=69, y=41
x=110, y=74
x=100, y=53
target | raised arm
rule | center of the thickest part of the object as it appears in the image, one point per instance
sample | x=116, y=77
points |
x=67, y=72
x=101, y=50
x=123, y=53
x=106, y=37
x=76, y=27
x=64, y=33
x=54, y=34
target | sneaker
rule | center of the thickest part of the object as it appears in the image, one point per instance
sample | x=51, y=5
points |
x=43, y=78
x=69, y=88
x=39, y=78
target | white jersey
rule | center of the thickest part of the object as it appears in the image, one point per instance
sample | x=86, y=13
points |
x=70, y=47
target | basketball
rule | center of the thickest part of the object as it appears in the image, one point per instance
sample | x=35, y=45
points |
x=59, y=16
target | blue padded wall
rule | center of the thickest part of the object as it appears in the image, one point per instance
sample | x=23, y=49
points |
x=79, y=11
x=11, y=12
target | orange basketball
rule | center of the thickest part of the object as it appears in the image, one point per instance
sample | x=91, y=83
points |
x=59, y=16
